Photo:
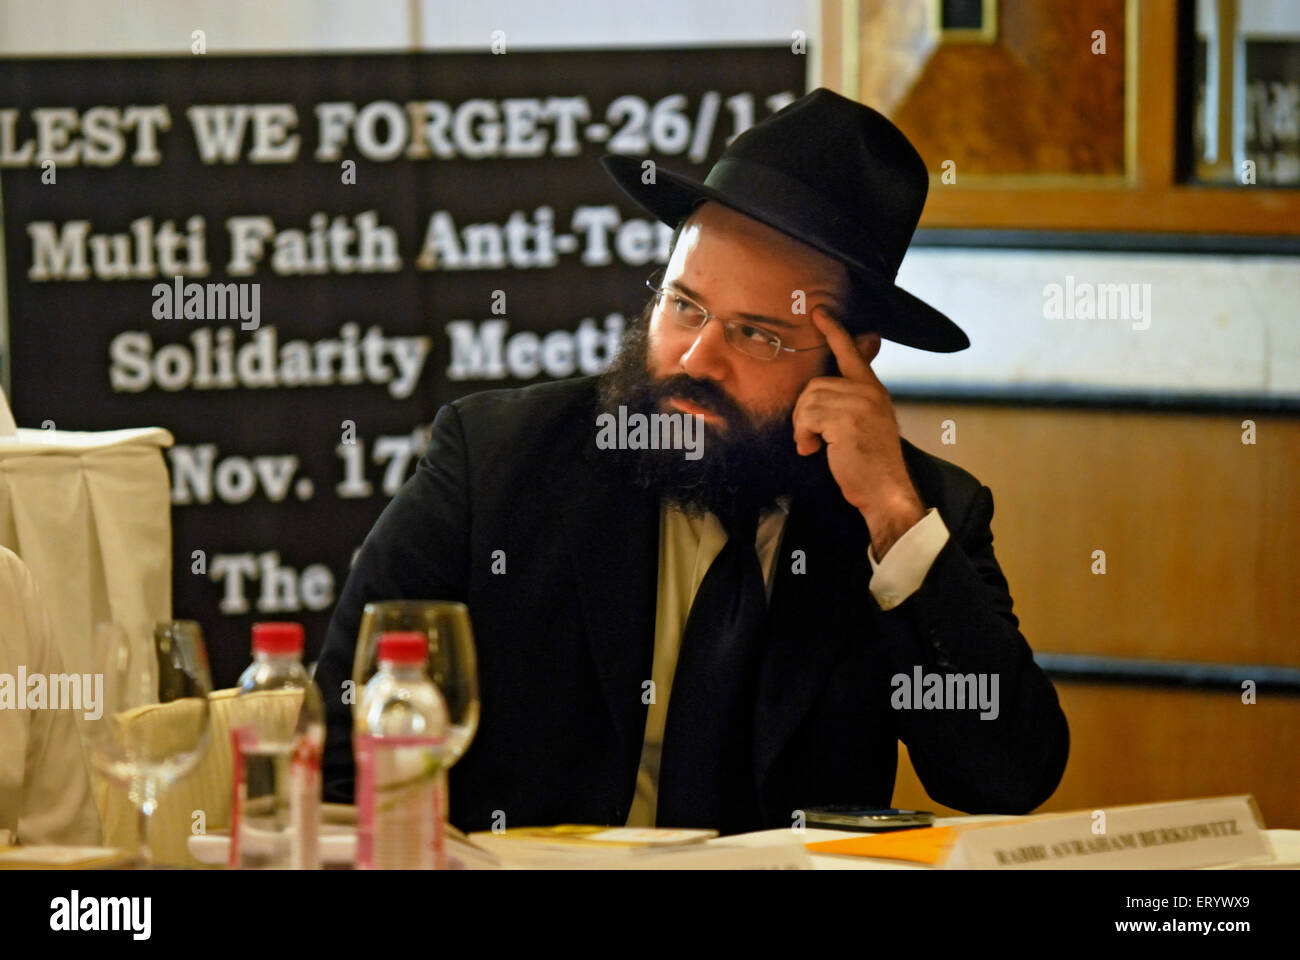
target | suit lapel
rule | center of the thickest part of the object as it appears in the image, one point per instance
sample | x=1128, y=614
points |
x=806, y=628
x=612, y=532
x=812, y=616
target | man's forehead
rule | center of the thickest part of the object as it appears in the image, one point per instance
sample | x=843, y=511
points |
x=716, y=240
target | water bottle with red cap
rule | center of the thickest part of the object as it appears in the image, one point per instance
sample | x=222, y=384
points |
x=401, y=729
x=276, y=749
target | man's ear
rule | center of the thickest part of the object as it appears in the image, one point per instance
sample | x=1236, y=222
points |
x=868, y=345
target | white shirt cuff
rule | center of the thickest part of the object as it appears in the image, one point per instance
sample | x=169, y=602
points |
x=903, y=570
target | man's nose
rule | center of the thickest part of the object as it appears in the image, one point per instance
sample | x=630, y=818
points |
x=707, y=358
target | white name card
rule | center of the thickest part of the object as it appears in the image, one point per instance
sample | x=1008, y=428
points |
x=1182, y=834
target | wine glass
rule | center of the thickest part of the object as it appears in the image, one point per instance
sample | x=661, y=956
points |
x=453, y=666
x=153, y=727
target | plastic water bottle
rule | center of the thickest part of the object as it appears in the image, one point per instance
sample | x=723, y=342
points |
x=398, y=741
x=276, y=752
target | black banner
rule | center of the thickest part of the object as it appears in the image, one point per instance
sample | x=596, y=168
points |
x=291, y=262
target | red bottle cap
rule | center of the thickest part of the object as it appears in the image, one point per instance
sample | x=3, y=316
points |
x=403, y=647
x=277, y=638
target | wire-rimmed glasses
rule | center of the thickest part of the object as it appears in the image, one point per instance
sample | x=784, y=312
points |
x=747, y=338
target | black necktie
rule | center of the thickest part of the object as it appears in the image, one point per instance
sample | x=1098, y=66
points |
x=706, y=767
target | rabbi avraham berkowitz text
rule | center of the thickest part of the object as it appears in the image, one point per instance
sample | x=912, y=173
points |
x=716, y=640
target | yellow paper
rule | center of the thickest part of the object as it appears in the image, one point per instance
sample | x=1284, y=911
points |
x=923, y=845
x=589, y=835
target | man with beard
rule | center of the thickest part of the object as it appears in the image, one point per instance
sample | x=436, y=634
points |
x=718, y=642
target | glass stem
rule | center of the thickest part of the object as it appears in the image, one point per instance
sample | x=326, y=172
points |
x=146, y=804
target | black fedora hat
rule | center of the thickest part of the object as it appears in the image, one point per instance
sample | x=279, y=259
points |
x=832, y=173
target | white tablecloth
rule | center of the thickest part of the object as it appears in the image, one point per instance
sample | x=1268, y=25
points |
x=89, y=513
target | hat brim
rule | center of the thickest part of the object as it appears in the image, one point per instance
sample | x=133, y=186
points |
x=900, y=317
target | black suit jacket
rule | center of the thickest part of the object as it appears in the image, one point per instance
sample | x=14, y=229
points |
x=565, y=636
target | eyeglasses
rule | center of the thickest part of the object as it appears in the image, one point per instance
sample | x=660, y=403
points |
x=750, y=340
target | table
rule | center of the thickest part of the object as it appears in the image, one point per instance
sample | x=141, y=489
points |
x=1286, y=847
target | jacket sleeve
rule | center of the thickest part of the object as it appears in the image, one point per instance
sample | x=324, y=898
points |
x=1006, y=759
x=418, y=549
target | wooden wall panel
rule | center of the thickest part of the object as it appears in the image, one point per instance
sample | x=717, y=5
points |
x=1142, y=745
x=1202, y=539
x=1201, y=532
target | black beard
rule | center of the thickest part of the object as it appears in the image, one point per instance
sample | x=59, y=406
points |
x=748, y=467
